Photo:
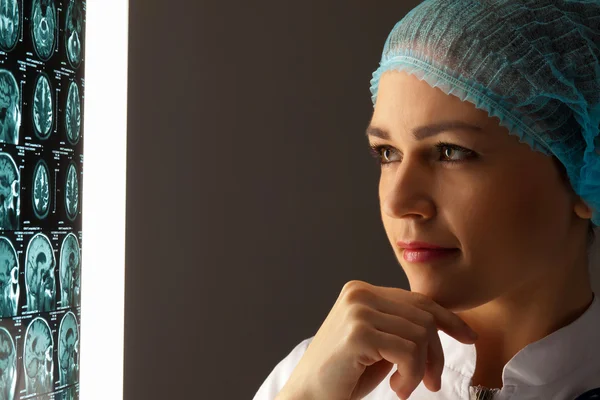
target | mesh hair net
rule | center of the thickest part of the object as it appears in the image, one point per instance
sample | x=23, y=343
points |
x=534, y=64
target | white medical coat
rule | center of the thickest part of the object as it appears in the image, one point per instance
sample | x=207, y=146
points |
x=560, y=366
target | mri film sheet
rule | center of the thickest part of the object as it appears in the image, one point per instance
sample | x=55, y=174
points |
x=42, y=101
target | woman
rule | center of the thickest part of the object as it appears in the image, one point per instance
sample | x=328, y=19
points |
x=486, y=115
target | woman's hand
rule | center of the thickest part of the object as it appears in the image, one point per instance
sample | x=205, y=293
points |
x=368, y=330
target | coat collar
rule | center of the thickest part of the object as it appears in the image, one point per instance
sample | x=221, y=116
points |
x=539, y=363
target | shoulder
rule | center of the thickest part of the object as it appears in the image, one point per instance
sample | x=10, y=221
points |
x=282, y=371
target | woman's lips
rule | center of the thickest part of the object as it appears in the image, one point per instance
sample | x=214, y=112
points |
x=425, y=255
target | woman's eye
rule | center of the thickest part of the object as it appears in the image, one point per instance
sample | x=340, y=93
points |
x=449, y=153
x=386, y=155
x=453, y=153
x=381, y=154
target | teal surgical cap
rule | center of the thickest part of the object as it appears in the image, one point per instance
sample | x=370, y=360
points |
x=534, y=64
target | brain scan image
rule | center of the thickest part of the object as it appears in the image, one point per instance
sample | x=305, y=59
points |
x=39, y=274
x=37, y=357
x=43, y=27
x=68, y=350
x=70, y=282
x=10, y=24
x=73, y=32
x=10, y=108
x=42, y=111
x=69, y=393
x=9, y=279
x=41, y=190
x=73, y=111
x=72, y=192
x=8, y=366
x=10, y=185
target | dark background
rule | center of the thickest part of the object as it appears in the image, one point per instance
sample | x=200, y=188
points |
x=251, y=194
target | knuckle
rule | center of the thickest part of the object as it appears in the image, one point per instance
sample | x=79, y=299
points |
x=421, y=337
x=421, y=300
x=351, y=285
x=357, y=332
x=359, y=313
x=412, y=352
x=356, y=293
x=429, y=322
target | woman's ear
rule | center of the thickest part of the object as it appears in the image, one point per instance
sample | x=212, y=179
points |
x=582, y=209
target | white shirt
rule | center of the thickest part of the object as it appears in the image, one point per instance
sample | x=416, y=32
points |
x=560, y=366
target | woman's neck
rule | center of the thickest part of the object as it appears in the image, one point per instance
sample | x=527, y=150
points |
x=509, y=323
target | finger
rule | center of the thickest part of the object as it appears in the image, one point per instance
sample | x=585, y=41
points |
x=403, y=383
x=421, y=330
x=391, y=301
x=434, y=367
x=420, y=365
x=408, y=357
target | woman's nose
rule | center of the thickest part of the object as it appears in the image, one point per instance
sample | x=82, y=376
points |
x=407, y=191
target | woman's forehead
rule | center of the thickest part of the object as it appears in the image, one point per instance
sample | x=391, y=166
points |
x=406, y=104
x=405, y=97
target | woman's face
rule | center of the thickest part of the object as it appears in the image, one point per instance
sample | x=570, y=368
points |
x=501, y=204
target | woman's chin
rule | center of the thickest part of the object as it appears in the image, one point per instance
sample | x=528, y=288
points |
x=452, y=297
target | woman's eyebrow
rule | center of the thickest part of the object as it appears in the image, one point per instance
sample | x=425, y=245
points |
x=426, y=131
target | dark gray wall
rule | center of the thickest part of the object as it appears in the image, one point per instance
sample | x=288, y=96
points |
x=251, y=196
